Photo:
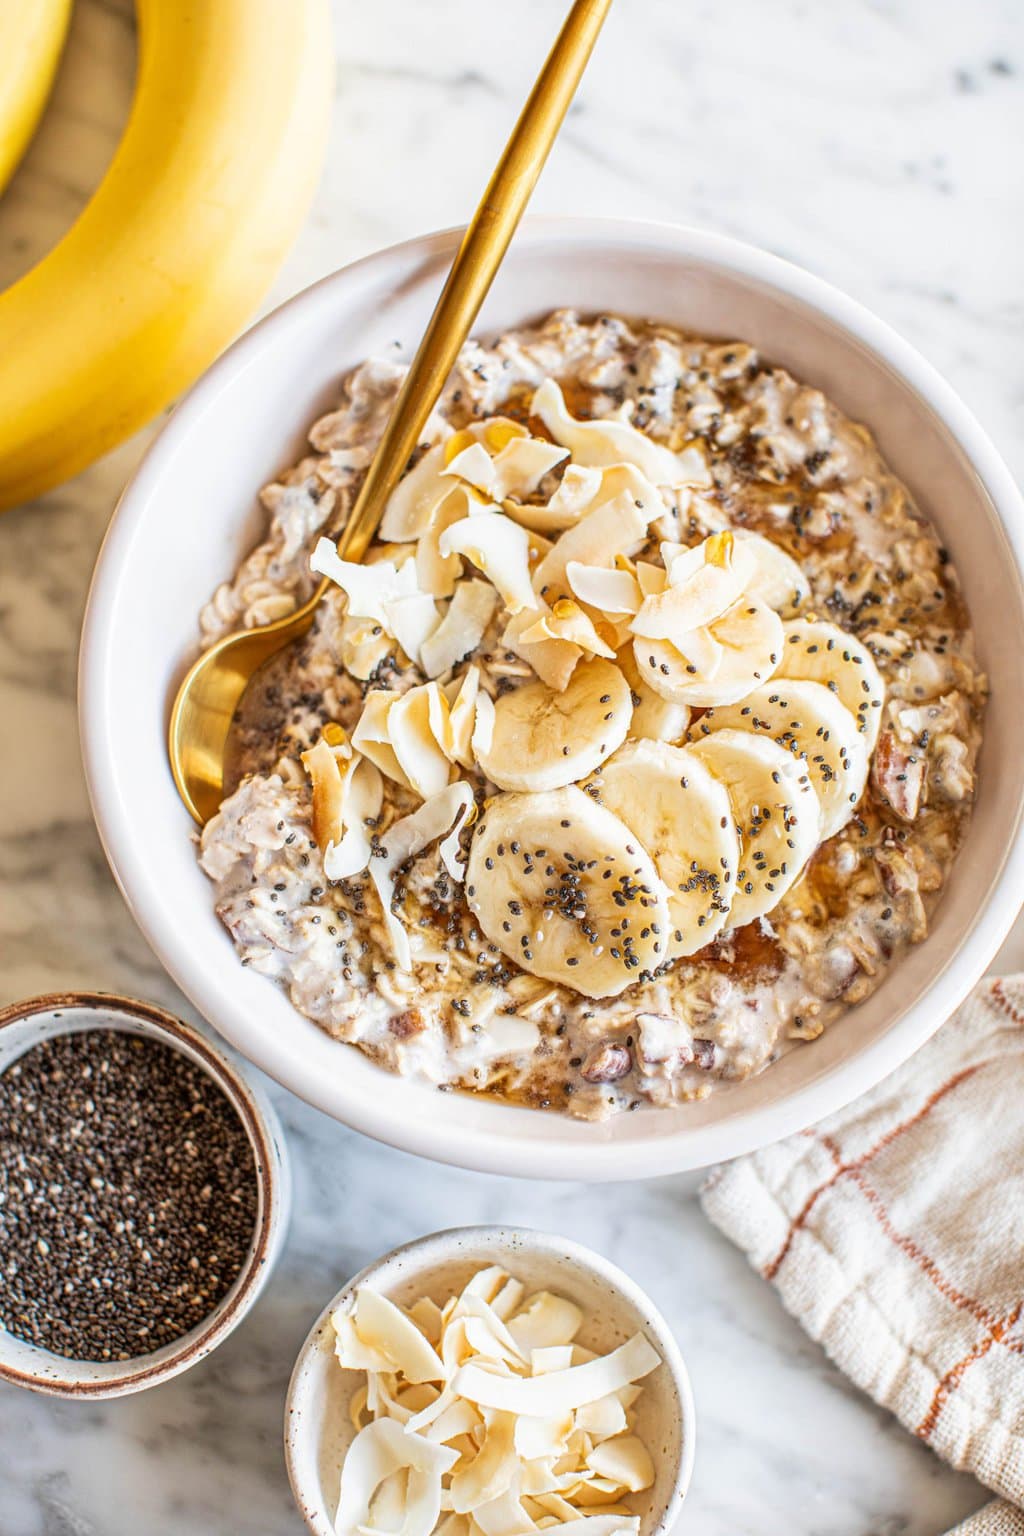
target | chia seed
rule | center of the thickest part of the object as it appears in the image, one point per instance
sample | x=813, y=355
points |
x=127, y=1195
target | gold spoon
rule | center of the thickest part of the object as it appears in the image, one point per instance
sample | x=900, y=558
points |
x=213, y=687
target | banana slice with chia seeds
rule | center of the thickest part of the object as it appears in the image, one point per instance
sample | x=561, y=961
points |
x=777, y=579
x=544, y=740
x=810, y=723
x=683, y=816
x=817, y=652
x=718, y=664
x=567, y=891
x=654, y=718
x=775, y=813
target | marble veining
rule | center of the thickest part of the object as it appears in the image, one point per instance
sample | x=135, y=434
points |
x=870, y=140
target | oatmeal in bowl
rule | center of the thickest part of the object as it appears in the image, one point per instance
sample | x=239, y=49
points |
x=638, y=749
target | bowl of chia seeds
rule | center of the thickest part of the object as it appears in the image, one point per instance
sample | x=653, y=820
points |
x=144, y=1195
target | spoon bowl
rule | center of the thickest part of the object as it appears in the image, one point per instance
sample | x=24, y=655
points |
x=208, y=699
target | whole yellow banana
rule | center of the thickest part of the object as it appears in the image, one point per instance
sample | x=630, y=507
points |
x=32, y=35
x=202, y=200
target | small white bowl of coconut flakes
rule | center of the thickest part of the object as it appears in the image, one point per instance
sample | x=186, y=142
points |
x=490, y=1381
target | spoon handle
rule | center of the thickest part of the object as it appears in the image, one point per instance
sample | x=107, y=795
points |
x=479, y=257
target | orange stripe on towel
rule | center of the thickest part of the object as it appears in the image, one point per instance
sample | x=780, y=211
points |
x=1012, y=1012
x=952, y=1379
x=800, y=1220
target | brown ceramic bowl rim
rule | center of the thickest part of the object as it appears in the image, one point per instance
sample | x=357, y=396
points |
x=230, y=1309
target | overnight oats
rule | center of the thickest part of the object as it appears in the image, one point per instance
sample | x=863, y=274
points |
x=639, y=747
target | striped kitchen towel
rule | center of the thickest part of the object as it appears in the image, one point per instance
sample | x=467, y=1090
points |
x=894, y=1233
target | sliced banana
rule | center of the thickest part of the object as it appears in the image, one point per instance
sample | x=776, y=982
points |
x=777, y=579
x=816, y=729
x=565, y=889
x=775, y=813
x=543, y=740
x=818, y=652
x=683, y=816
x=718, y=664
x=654, y=718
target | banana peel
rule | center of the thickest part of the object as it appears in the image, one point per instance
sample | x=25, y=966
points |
x=209, y=186
x=32, y=34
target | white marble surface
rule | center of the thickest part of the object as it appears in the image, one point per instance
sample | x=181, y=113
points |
x=870, y=140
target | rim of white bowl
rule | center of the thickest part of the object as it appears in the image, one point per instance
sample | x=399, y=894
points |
x=542, y=1156
x=434, y=1248
x=61, y=1376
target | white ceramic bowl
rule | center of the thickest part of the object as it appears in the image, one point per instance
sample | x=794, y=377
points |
x=190, y=514
x=318, y=1430
x=25, y=1024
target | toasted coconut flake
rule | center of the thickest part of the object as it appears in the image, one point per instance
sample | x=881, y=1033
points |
x=412, y=620
x=328, y=769
x=372, y=737
x=462, y=628
x=439, y=718
x=350, y=854
x=491, y=1472
x=426, y=1314
x=615, y=528
x=507, y=1297
x=513, y=469
x=405, y=839
x=390, y=1330
x=378, y=1451
x=462, y=717
x=650, y=578
x=474, y=464
x=369, y=588
x=418, y=729
x=575, y=492
x=437, y=573
x=547, y=1437
x=560, y=1391
x=362, y=645
x=504, y=1516
x=624, y=1461
x=483, y=726
x=486, y=1331
x=450, y=847
x=613, y=591
x=550, y=1357
x=702, y=583
x=416, y=498
x=602, y=1419
x=522, y=464
x=459, y=1418
x=567, y=621
x=553, y=660
x=347, y=790
x=606, y=442
x=627, y=480
x=546, y=1319
x=498, y=547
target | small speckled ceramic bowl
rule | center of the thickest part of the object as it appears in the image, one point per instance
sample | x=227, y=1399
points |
x=318, y=1430
x=23, y=1025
